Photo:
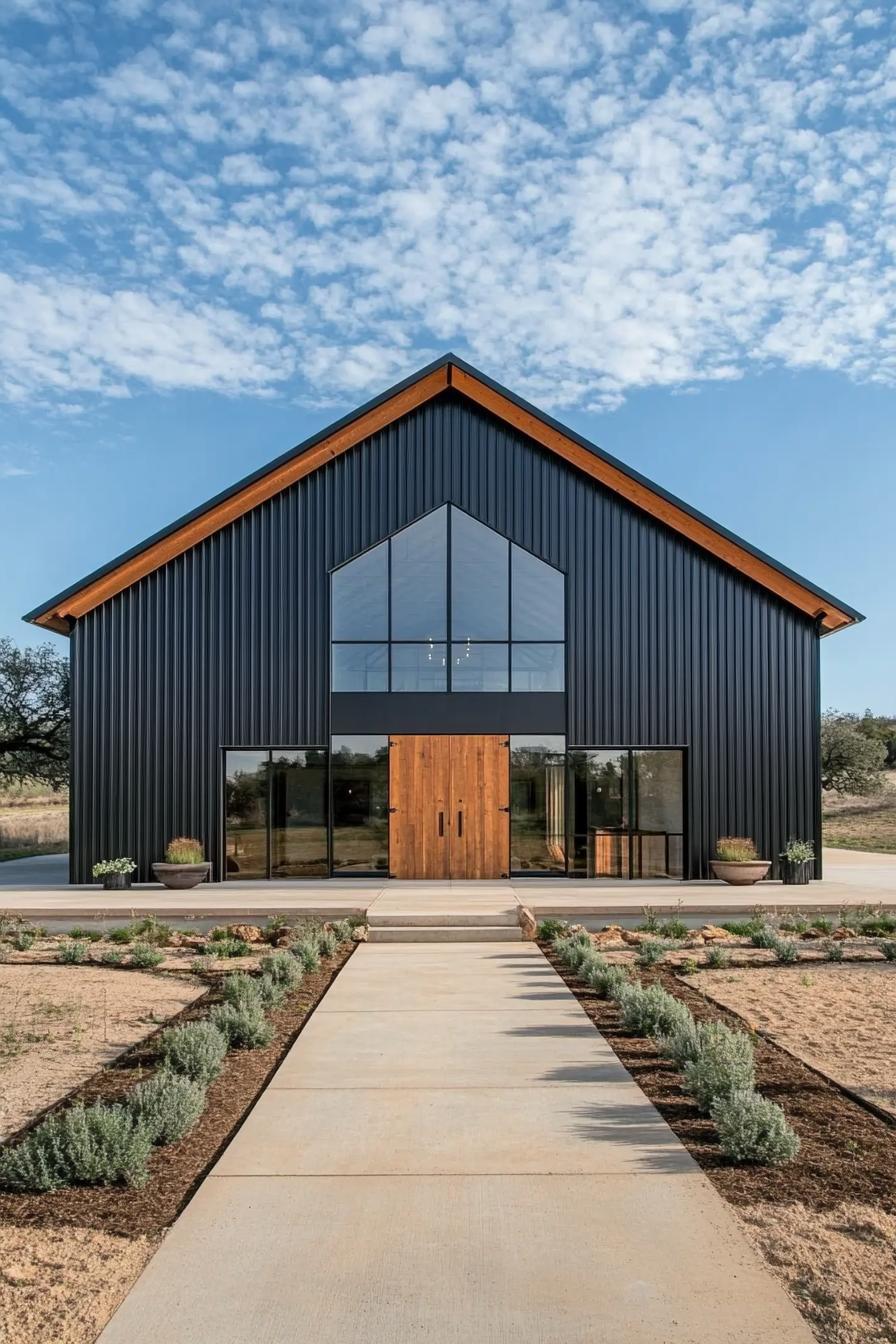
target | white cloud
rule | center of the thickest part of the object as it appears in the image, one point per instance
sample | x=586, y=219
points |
x=9, y=469
x=583, y=198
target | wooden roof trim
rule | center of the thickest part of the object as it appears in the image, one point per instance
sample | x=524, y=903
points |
x=235, y=505
x=635, y=492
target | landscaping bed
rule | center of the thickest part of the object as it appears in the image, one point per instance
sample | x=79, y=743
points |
x=826, y=1220
x=69, y=1255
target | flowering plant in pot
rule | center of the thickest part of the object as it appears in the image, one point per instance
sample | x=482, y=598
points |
x=737, y=861
x=116, y=873
x=796, y=856
x=185, y=864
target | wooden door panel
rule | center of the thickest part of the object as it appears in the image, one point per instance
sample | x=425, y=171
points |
x=419, y=779
x=480, y=795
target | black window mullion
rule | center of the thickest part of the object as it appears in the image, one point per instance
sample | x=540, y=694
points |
x=449, y=613
x=269, y=809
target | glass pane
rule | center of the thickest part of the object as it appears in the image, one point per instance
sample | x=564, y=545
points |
x=246, y=814
x=538, y=598
x=299, y=814
x=360, y=667
x=658, y=820
x=479, y=587
x=360, y=776
x=420, y=578
x=538, y=804
x=479, y=667
x=360, y=596
x=419, y=667
x=599, y=813
x=537, y=667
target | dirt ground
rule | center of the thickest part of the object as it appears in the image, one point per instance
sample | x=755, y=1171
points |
x=862, y=823
x=63, y=1283
x=840, y=1019
x=59, y=1024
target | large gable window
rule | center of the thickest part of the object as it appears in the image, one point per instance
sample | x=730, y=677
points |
x=448, y=604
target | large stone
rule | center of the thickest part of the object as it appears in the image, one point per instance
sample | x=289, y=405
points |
x=249, y=933
x=528, y=927
x=713, y=934
x=611, y=936
x=359, y=934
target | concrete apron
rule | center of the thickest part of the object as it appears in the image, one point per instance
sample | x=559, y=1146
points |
x=451, y=1154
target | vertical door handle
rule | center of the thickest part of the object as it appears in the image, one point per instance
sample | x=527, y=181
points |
x=460, y=824
x=441, y=823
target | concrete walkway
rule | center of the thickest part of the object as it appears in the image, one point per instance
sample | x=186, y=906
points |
x=451, y=1154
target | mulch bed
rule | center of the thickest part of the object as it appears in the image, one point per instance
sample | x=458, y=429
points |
x=846, y=1153
x=175, y=1170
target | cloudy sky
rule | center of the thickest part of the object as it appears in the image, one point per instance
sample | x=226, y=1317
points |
x=672, y=224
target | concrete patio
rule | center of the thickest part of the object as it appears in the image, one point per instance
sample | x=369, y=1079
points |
x=451, y=1154
x=851, y=878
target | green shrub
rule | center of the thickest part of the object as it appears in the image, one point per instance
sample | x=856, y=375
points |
x=229, y=947
x=23, y=941
x=717, y=958
x=833, y=950
x=681, y=1043
x=123, y=934
x=85, y=1145
x=327, y=943
x=888, y=947
x=307, y=953
x=342, y=929
x=195, y=1049
x=113, y=956
x=270, y=993
x=84, y=935
x=202, y=965
x=688, y=966
x=167, y=1105
x=606, y=980
x=823, y=924
x=742, y=928
x=676, y=929
x=651, y=951
x=651, y=1011
x=241, y=991
x=548, y=929
x=244, y=1027
x=183, y=849
x=73, y=953
x=724, y=1064
x=281, y=969
x=736, y=849
x=145, y=956
x=787, y=950
x=149, y=929
x=766, y=936
x=753, y=1129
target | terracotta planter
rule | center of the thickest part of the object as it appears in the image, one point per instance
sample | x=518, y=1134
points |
x=741, y=874
x=180, y=876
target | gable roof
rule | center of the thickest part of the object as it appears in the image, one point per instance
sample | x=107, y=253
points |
x=61, y=611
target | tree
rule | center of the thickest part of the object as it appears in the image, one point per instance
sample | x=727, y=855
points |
x=851, y=762
x=34, y=714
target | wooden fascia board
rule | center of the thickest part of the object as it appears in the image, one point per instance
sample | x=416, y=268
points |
x=635, y=492
x=167, y=548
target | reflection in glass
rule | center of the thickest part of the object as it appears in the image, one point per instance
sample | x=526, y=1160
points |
x=360, y=667
x=658, y=813
x=246, y=814
x=538, y=803
x=298, y=812
x=420, y=578
x=360, y=782
x=599, y=813
x=360, y=592
x=479, y=667
x=419, y=667
x=537, y=667
x=537, y=598
x=479, y=587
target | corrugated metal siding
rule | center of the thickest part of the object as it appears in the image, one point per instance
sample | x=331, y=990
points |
x=228, y=644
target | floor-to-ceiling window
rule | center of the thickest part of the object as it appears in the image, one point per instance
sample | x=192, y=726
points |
x=275, y=813
x=538, y=804
x=626, y=812
x=360, y=793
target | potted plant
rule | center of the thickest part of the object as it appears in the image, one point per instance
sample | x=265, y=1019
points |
x=737, y=861
x=796, y=857
x=185, y=864
x=116, y=873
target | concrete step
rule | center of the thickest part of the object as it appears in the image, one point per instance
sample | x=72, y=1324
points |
x=441, y=918
x=444, y=933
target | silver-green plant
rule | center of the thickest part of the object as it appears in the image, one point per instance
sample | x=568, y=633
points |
x=73, y=953
x=327, y=943
x=717, y=958
x=240, y=990
x=753, y=1129
x=652, y=950
x=649, y=1011
x=307, y=954
x=144, y=956
x=681, y=1043
x=85, y=1145
x=281, y=969
x=113, y=956
x=766, y=937
x=244, y=1027
x=833, y=949
x=888, y=947
x=23, y=941
x=195, y=1049
x=787, y=950
x=167, y=1105
x=724, y=1064
x=342, y=928
x=607, y=980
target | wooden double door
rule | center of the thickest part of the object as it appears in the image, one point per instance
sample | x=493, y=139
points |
x=449, y=806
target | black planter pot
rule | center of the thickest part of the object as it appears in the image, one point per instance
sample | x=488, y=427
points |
x=795, y=874
x=116, y=881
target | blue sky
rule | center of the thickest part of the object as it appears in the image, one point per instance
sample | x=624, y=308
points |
x=672, y=225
